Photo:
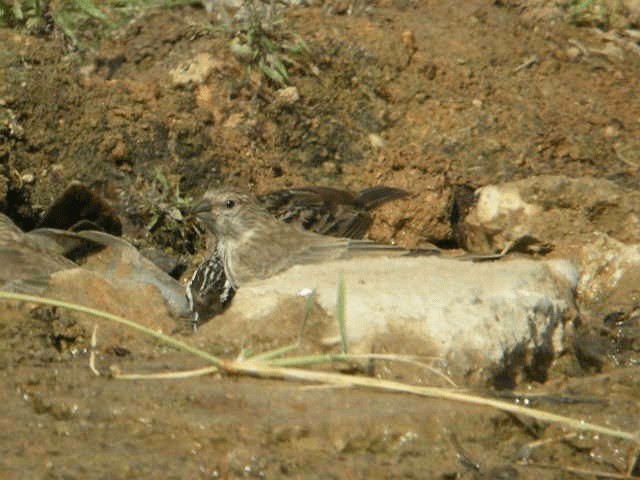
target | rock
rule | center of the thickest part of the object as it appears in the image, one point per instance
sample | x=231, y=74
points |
x=597, y=216
x=610, y=273
x=234, y=120
x=122, y=262
x=287, y=96
x=195, y=70
x=376, y=141
x=9, y=124
x=165, y=262
x=408, y=39
x=491, y=320
x=127, y=297
x=573, y=53
x=550, y=210
x=28, y=178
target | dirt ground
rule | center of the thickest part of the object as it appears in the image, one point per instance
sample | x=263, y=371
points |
x=431, y=96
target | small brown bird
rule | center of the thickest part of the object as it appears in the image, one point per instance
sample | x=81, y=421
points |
x=329, y=211
x=254, y=245
x=324, y=210
x=28, y=259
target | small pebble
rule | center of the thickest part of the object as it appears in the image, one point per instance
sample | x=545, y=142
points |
x=376, y=140
x=408, y=39
x=573, y=53
x=28, y=178
x=287, y=96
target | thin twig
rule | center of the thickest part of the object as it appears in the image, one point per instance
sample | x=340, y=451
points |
x=527, y=63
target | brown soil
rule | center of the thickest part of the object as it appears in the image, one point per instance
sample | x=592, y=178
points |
x=430, y=96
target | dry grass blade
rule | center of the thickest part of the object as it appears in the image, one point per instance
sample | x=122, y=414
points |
x=262, y=370
x=302, y=361
x=409, y=359
x=166, y=375
x=271, y=354
x=113, y=318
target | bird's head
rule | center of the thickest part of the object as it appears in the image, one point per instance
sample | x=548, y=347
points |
x=228, y=213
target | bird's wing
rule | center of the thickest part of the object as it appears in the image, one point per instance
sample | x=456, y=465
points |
x=325, y=210
x=72, y=245
x=9, y=231
x=26, y=265
x=373, y=197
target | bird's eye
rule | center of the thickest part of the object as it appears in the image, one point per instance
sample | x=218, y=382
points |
x=229, y=203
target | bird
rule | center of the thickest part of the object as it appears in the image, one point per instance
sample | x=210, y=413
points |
x=28, y=259
x=325, y=210
x=254, y=245
x=329, y=211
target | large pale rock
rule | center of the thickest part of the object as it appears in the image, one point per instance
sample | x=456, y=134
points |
x=550, y=210
x=495, y=319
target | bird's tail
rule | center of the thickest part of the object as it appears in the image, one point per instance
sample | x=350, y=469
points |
x=376, y=196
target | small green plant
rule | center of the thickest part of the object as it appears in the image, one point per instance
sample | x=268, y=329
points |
x=74, y=17
x=25, y=13
x=599, y=13
x=168, y=218
x=81, y=21
x=77, y=19
x=263, y=43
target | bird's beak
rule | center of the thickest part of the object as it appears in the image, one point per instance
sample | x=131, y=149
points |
x=203, y=212
x=202, y=207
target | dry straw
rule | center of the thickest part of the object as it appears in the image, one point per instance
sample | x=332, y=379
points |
x=263, y=367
